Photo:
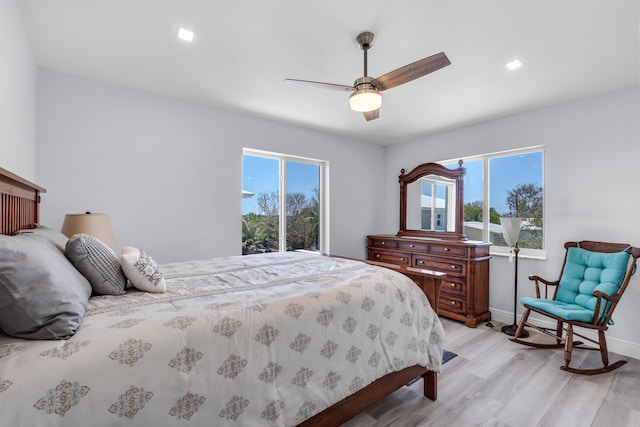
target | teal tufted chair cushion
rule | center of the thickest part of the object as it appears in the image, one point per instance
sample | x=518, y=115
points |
x=584, y=272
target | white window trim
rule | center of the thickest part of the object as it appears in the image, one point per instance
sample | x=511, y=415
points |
x=501, y=250
x=323, y=194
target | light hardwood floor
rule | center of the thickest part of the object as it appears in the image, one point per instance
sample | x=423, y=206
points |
x=495, y=382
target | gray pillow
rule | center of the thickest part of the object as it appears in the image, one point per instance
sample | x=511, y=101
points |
x=98, y=263
x=54, y=236
x=42, y=296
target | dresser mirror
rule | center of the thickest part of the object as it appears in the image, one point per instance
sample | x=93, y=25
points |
x=432, y=202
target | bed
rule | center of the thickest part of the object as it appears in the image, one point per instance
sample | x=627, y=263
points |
x=277, y=339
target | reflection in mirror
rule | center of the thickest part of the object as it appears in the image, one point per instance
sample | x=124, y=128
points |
x=436, y=199
x=431, y=204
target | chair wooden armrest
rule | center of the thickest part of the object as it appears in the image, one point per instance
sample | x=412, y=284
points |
x=546, y=282
x=605, y=315
x=612, y=298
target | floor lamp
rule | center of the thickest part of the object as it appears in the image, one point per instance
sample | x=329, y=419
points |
x=511, y=232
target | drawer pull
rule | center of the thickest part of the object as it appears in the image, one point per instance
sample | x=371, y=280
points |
x=412, y=245
x=453, y=267
x=453, y=285
x=383, y=243
x=447, y=249
x=377, y=255
x=401, y=259
x=420, y=262
x=453, y=303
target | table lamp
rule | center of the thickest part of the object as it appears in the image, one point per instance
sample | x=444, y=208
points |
x=97, y=225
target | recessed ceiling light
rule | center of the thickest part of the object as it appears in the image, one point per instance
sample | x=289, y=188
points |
x=184, y=34
x=512, y=65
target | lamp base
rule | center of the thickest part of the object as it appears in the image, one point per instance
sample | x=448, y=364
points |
x=511, y=330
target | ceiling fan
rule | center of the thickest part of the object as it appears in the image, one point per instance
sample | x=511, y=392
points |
x=365, y=96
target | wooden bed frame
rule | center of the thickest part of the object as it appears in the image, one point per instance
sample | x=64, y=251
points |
x=20, y=209
x=20, y=201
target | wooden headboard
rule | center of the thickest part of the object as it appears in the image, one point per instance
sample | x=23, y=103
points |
x=19, y=200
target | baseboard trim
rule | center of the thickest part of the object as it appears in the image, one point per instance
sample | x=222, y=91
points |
x=615, y=345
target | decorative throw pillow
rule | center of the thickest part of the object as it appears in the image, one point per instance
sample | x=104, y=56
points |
x=42, y=296
x=98, y=263
x=141, y=270
x=58, y=239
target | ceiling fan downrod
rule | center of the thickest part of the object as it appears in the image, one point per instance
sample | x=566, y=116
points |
x=364, y=42
x=366, y=97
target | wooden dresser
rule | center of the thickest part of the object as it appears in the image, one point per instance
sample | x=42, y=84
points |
x=464, y=291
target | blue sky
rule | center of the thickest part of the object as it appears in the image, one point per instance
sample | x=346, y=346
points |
x=260, y=175
x=506, y=173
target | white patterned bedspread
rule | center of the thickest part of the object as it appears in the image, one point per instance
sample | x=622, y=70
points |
x=240, y=341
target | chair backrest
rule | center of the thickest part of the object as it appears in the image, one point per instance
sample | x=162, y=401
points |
x=595, y=266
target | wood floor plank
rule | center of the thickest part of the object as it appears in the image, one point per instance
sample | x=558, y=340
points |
x=494, y=382
x=625, y=386
x=577, y=405
x=614, y=414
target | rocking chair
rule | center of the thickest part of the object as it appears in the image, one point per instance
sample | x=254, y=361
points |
x=593, y=278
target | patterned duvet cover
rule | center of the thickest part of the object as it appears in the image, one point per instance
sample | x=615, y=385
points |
x=239, y=341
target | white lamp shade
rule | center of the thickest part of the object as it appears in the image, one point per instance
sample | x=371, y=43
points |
x=366, y=99
x=97, y=225
x=511, y=229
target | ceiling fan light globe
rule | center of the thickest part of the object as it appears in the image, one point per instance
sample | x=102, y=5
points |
x=365, y=100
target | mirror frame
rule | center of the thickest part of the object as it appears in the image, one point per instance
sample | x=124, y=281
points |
x=439, y=170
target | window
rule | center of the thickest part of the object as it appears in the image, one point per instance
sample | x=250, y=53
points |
x=513, y=184
x=271, y=222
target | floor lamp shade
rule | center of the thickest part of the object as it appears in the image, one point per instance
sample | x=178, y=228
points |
x=97, y=225
x=511, y=229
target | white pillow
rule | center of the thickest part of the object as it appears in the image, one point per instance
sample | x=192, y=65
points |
x=141, y=270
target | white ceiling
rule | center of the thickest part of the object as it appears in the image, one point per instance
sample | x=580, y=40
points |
x=243, y=49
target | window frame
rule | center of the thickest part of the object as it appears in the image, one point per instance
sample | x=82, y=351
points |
x=323, y=193
x=486, y=185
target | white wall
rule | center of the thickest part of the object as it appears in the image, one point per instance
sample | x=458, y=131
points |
x=168, y=172
x=17, y=94
x=592, y=186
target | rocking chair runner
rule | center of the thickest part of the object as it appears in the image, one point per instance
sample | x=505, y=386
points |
x=593, y=277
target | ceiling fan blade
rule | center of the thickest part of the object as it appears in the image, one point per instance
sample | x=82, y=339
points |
x=412, y=71
x=371, y=115
x=321, y=85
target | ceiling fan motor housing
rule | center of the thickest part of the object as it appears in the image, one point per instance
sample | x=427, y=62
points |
x=364, y=82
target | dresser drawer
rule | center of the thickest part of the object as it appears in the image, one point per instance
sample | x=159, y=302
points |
x=413, y=247
x=383, y=243
x=454, y=286
x=448, y=250
x=397, y=258
x=451, y=304
x=452, y=268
